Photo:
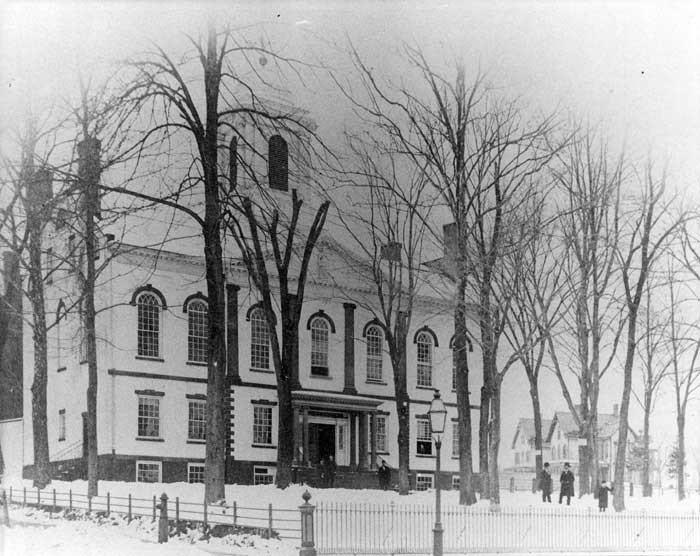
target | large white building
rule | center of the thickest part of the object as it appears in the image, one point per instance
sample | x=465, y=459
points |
x=152, y=337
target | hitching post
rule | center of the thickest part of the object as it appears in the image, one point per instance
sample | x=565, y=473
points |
x=5, y=513
x=163, y=521
x=307, y=527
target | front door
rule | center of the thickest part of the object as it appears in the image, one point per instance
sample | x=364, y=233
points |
x=321, y=442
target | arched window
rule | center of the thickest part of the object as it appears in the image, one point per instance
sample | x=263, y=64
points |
x=259, y=340
x=319, y=346
x=375, y=341
x=197, y=331
x=148, y=325
x=564, y=453
x=278, y=163
x=424, y=343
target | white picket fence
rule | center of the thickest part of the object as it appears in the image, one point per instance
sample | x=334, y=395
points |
x=398, y=529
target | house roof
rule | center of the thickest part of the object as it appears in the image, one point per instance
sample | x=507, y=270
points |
x=526, y=426
x=608, y=425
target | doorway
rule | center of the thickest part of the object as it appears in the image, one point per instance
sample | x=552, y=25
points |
x=321, y=442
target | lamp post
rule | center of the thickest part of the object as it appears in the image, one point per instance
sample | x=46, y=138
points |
x=437, y=414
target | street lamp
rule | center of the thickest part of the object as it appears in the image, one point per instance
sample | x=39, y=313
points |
x=437, y=414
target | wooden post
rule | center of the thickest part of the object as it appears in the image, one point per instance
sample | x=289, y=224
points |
x=89, y=504
x=205, y=514
x=38, y=497
x=129, y=514
x=235, y=513
x=108, y=505
x=154, y=507
x=24, y=496
x=70, y=500
x=163, y=521
x=177, y=515
x=269, y=521
x=10, y=495
x=5, y=513
x=54, y=503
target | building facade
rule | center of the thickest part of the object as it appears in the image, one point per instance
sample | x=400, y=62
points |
x=152, y=367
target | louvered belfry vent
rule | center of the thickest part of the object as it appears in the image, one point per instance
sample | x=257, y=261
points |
x=278, y=163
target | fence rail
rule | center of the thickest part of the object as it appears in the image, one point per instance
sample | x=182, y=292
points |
x=407, y=529
x=266, y=521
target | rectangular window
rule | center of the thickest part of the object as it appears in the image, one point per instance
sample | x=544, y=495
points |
x=263, y=475
x=149, y=417
x=455, y=482
x=195, y=472
x=148, y=472
x=197, y=421
x=262, y=425
x=455, y=439
x=424, y=481
x=424, y=444
x=61, y=424
x=381, y=433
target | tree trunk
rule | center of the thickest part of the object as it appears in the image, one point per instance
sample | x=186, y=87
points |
x=215, y=455
x=89, y=174
x=494, y=443
x=537, y=415
x=680, y=474
x=286, y=424
x=464, y=417
x=403, y=408
x=36, y=287
x=646, y=485
x=621, y=456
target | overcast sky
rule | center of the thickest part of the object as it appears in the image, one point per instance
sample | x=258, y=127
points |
x=631, y=67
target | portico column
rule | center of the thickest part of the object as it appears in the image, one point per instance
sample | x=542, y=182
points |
x=363, y=442
x=305, y=432
x=373, y=440
x=353, y=441
x=349, y=387
x=297, y=437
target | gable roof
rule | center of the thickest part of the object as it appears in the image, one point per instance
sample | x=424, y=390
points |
x=608, y=425
x=526, y=427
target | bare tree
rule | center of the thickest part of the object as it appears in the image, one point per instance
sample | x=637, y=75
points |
x=196, y=112
x=538, y=304
x=588, y=181
x=651, y=227
x=479, y=155
x=389, y=228
x=652, y=349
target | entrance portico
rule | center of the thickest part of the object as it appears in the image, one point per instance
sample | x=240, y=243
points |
x=341, y=425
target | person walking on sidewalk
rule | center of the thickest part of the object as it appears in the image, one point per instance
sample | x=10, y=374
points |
x=546, y=484
x=566, y=484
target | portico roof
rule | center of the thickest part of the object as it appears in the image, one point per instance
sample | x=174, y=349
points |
x=334, y=400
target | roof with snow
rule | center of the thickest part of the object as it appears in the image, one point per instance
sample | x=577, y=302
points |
x=526, y=426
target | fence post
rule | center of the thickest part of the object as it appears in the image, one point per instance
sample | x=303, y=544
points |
x=108, y=504
x=269, y=521
x=89, y=505
x=38, y=497
x=70, y=500
x=10, y=495
x=307, y=527
x=205, y=514
x=24, y=496
x=512, y=484
x=177, y=515
x=163, y=522
x=631, y=488
x=54, y=502
x=5, y=520
x=129, y=514
x=235, y=513
x=154, y=507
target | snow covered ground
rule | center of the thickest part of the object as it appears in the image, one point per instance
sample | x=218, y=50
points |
x=38, y=532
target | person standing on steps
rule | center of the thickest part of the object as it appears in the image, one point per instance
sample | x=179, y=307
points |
x=546, y=484
x=566, y=484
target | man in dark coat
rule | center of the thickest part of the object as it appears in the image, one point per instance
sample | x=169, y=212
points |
x=546, y=484
x=331, y=468
x=384, y=474
x=567, y=484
